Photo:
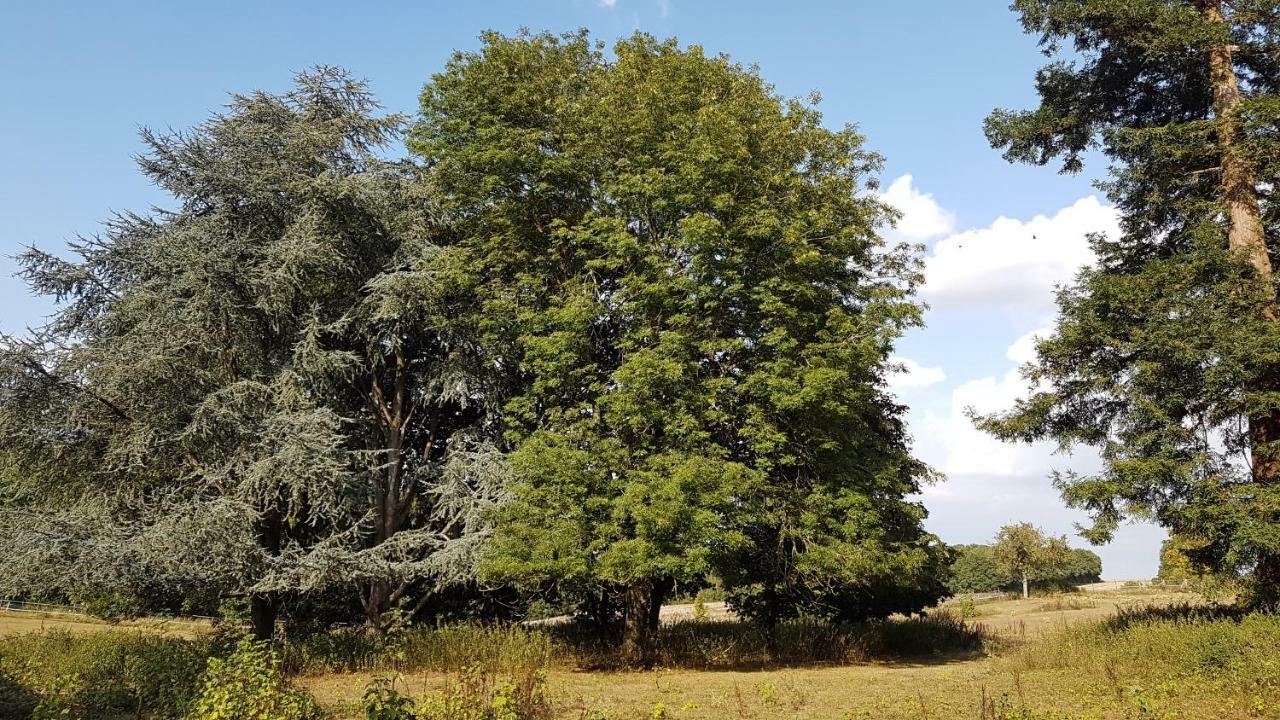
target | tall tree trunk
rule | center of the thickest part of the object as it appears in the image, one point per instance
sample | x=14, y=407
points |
x=376, y=602
x=1025, y=590
x=637, y=638
x=1246, y=236
x=392, y=415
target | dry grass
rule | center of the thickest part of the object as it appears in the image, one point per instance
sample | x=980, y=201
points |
x=17, y=623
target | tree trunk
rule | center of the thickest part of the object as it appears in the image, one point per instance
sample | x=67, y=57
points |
x=1268, y=581
x=263, y=607
x=637, y=638
x=1025, y=590
x=661, y=588
x=1246, y=236
x=377, y=601
x=262, y=616
x=394, y=500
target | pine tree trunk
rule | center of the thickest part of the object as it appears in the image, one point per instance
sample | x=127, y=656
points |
x=637, y=638
x=1246, y=236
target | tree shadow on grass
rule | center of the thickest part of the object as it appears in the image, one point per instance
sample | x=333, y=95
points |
x=1185, y=612
x=730, y=645
x=17, y=702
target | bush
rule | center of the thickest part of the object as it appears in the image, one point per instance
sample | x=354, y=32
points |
x=249, y=684
x=56, y=674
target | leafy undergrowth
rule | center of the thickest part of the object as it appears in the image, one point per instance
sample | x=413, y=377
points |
x=249, y=684
x=142, y=676
x=474, y=694
x=58, y=674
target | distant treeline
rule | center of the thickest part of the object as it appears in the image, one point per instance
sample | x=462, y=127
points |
x=975, y=570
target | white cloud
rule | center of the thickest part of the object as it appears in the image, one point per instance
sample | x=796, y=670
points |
x=957, y=448
x=1023, y=350
x=664, y=8
x=608, y=3
x=1013, y=263
x=914, y=375
x=922, y=216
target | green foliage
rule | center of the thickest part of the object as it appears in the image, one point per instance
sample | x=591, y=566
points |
x=705, y=351
x=56, y=674
x=1165, y=353
x=382, y=701
x=248, y=684
x=1024, y=552
x=974, y=570
x=1084, y=566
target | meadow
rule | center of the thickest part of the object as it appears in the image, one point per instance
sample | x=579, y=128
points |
x=1129, y=653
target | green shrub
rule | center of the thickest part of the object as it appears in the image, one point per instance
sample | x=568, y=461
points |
x=382, y=701
x=249, y=684
x=91, y=676
x=474, y=694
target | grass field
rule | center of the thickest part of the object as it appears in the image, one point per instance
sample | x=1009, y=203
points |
x=1083, y=656
x=12, y=623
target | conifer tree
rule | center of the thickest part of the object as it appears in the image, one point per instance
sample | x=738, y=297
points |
x=267, y=389
x=1167, y=354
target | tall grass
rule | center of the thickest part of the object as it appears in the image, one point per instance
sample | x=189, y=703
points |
x=690, y=644
x=1168, y=659
x=57, y=674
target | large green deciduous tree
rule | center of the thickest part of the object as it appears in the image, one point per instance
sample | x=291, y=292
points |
x=687, y=270
x=269, y=388
x=1167, y=354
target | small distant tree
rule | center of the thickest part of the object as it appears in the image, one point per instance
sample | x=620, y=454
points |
x=1024, y=551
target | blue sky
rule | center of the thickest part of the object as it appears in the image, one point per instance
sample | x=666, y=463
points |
x=917, y=77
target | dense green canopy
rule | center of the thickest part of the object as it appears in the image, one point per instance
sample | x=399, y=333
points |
x=688, y=269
